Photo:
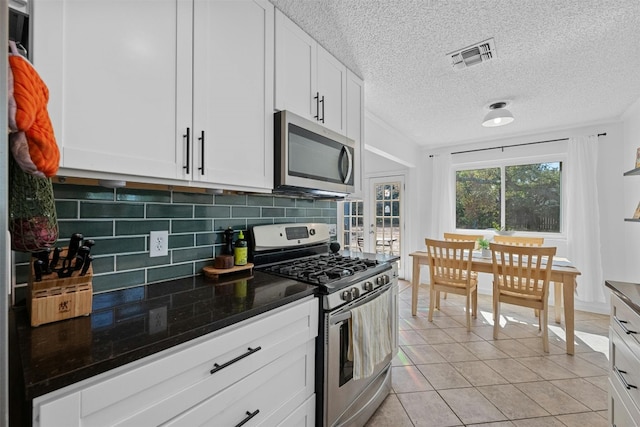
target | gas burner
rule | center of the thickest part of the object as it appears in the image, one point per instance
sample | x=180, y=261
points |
x=322, y=269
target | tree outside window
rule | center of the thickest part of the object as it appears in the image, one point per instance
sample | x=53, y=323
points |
x=515, y=197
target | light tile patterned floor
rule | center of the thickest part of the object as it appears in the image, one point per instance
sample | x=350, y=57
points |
x=446, y=376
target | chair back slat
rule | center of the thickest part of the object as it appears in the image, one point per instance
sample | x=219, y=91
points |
x=457, y=237
x=522, y=270
x=519, y=240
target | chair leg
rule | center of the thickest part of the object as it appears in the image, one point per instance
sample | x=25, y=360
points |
x=545, y=331
x=496, y=318
x=475, y=303
x=438, y=299
x=467, y=312
x=432, y=302
x=557, y=300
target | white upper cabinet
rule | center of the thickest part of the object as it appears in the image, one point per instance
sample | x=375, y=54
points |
x=111, y=71
x=233, y=92
x=136, y=84
x=309, y=80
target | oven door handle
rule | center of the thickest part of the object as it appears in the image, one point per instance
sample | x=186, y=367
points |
x=341, y=317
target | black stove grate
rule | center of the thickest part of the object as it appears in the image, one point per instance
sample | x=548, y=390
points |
x=322, y=269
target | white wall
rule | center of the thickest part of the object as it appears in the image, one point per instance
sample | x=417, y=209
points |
x=614, y=204
x=628, y=239
x=389, y=152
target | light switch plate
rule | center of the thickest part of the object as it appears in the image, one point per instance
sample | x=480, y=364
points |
x=158, y=243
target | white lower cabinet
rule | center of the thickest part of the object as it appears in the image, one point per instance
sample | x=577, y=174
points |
x=624, y=361
x=265, y=364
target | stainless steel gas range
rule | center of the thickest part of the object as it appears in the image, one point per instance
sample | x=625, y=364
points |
x=346, y=285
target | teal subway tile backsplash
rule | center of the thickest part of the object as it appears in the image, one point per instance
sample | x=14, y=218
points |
x=111, y=210
x=119, y=220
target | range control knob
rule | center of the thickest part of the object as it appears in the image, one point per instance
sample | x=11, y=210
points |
x=355, y=293
x=379, y=281
x=368, y=286
x=347, y=296
x=386, y=279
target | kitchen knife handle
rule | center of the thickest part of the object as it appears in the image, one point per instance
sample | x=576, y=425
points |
x=201, y=168
x=188, y=136
x=37, y=269
x=85, y=266
x=74, y=244
x=55, y=258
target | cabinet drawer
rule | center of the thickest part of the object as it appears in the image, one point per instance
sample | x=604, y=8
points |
x=626, y=323
x=265, y=398
x=304, y=416
x=175, y=380
x=622, y=413
x=624, y=368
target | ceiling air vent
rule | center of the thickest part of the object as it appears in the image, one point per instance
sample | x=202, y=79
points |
x=473, y=55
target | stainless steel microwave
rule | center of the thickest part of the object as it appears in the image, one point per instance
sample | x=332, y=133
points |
x=311, y=159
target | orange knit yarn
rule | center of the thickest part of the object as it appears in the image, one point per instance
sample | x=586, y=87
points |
x=31, y=96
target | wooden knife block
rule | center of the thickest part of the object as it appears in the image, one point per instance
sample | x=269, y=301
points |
x=52, y=298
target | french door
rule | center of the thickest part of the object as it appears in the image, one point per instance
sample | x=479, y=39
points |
x=384, y=216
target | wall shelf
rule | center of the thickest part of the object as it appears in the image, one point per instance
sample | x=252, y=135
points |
x=635, y=171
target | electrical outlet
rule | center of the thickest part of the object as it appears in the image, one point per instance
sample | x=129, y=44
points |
x=158, y=243
x=332, y=230
x=157, y=320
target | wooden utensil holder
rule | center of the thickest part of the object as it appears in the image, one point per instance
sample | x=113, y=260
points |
x=53, y=298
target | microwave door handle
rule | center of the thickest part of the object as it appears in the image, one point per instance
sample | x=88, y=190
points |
x=345, y=178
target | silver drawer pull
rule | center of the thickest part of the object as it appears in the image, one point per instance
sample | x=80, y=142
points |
x=624, y=381
x=249, y=352
x=622, y=324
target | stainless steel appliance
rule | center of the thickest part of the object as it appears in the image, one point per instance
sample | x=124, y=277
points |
x=301, y=251
x=19, y=25
x=312, y=159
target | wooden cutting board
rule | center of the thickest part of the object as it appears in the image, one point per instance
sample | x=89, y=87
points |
x=214, y=273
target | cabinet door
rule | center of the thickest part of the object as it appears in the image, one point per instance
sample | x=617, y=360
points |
x=355, y=127
x=233, y=93
x=332, y=82
x=111, y=70
x=295, y=53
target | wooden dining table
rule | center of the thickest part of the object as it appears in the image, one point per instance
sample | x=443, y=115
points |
x=563, y=274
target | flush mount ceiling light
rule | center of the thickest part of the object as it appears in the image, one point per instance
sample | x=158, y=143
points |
x=498, y=116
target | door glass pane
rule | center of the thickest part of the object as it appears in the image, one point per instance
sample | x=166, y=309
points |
x=387, y=236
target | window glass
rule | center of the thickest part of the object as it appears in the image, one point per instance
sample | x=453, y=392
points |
x=515, y=197
x=478, y=198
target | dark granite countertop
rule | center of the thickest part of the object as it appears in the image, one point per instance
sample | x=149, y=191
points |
x=121, y=329
x=628, y=292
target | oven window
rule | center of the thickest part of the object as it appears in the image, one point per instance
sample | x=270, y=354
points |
x=346, y=365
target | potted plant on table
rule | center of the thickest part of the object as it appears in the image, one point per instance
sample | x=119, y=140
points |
x=483, y=244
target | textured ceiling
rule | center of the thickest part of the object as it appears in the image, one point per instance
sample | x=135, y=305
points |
x=560, y=64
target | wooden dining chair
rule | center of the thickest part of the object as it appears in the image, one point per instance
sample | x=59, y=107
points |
x=521, y=277
x=450, y=271
x=534, y=241
x=458, y=237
